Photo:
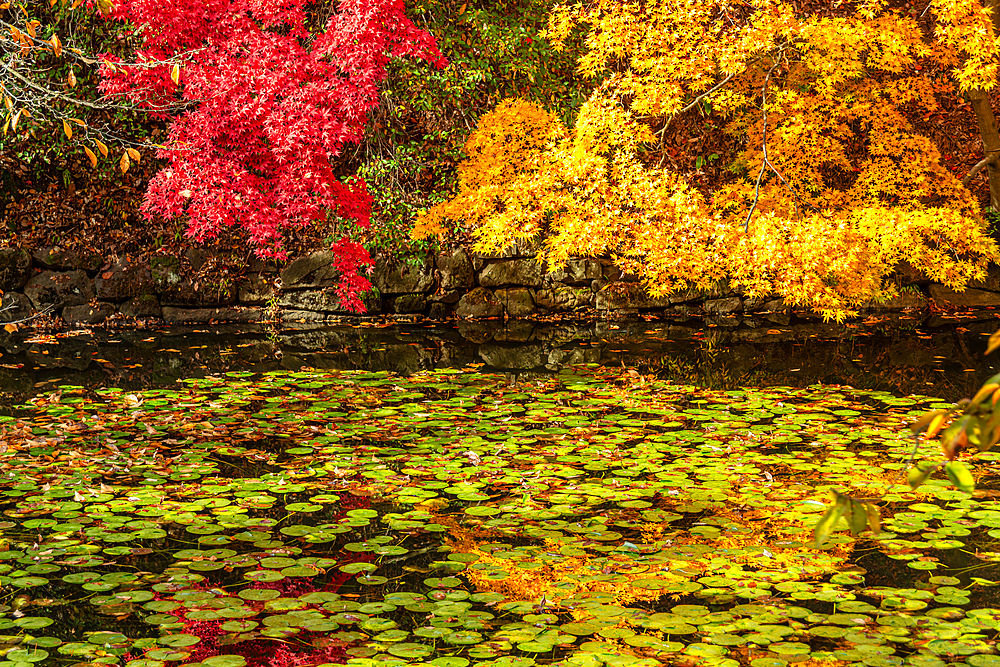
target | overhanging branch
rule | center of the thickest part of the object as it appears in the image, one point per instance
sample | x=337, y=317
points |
x=979, y=166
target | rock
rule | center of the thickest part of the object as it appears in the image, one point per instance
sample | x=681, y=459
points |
x=196, y=257
x=686, y=295
x=451, y=296
x=205, y=315
x=479, y=303
x=627, y=296
x=303, y=316
x=199, y=295
x=992, y=280
x=522, y=357
x=908, y=299
x=57, y=259
x=522, y=272
x=409, y=303
x=615, y=275
x=141, y=307
x=324, y=301
x=439, y=311
x=773, y=306
x=87, y=314
x=403, y=278
x=56, y=289
x=907, y=274
x=778, y=318
x=15, y=268
x=311, y=270
x=517, y=302
x=515, y=331
x=970, y=298
x=14, y=307
x=255, y=290
x=577, y=272
x=563, y=297
x=455, y=269
x=258, y=265
x=125, y=279
x=726, y=306
x=175, y=288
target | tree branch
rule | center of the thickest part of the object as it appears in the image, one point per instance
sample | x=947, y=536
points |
x=766, y=163
x=979, y=166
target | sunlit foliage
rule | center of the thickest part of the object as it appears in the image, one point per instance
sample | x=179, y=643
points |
x=832, y=187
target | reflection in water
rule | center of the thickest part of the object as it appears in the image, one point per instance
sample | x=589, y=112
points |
x=902, y=356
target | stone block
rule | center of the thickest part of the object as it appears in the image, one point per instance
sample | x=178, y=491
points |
x=324, y=301
x=403, y=278
x=87, y=314
x=255, y=290
x=519, y=272
x=478, y=304
x=439, y=311
x=55, y=258
x=409, y=303
x=558, y=298
x=143, y=306
x=206, y=315
x=517, y=301
x=627, y=296
x=126, y=278
x=971, y=298
x=725, y=306
x=14, y=307
x=908, y=299
x=15, y=269
x=58, y=289
x=577, y=272
x=992, y=281
x=310, y=270
x=455, y=270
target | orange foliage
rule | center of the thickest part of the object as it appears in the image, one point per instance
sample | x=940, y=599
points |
x=835, y=186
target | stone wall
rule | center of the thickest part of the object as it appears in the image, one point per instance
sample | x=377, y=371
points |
x=86, y=288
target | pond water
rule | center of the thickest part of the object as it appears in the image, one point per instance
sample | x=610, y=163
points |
x=458, y=497
x=940, y=356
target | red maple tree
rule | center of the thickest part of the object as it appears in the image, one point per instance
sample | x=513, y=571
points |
x=269, y=104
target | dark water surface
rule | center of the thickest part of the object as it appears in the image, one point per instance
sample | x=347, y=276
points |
x=939, y=356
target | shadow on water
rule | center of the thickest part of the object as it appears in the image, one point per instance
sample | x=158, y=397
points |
x=937, y=356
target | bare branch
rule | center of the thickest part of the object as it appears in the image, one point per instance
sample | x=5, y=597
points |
x=979, y=166
x=705, y=94
x=766, y=163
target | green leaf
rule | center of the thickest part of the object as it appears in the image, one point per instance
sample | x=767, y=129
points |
x=960, y=476
x=858, y=519
x=919, y=473
x=821, y=533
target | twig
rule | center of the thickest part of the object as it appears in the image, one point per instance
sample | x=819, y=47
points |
x=766, y=163
x=698, y=99
x=25, y=319
x=978, y=167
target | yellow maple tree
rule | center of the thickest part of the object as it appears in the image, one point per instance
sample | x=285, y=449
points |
x=831, y=186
